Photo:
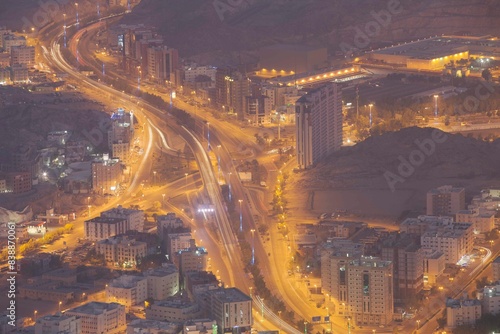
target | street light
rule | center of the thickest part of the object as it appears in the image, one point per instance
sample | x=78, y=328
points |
x=253, y=246
x=229, y=184
x=418, y=325
x=436, y=105
x=262, y=309
x=251, y=291
x=371, y=118
x=154, y=177
x=60, y=303
x=241, y=217
x=77, y=18
x=163, y=197
x=186, y=178
x=34, y=315
x=89, y=206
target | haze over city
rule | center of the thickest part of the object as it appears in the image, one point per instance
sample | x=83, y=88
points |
x=249, y=166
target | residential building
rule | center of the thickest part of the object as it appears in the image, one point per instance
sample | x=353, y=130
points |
x=127, y=290
x=173, y=310
x=163, y=62
x=482, y=222
x=177, y=242
x=445, y=201
x=134, y=218
x=19, y=73
x=454, y=240
x=231, y=89
x=121, y=135
x=4, y=75
x=196, y=283
x=199, y=326
x=191, y=259
x=318, y=124
x=106, y=175
x=434, y=264
x=143, y=326
x=192, y=72
x=100, y=318
x=163, y=282
x=231, y=309
x=58, y=323
x=17, y=182
x=370, y=291
x=167, y=223
x=11, y=40
x=495, y=266
x=406, y=255
x=490, y=299
x=22, y=55
x=258, y=109
x=122, y=151
x=122, y=250
x=100, y=228
x=462, y=312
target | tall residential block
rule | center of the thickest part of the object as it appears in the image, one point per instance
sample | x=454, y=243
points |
x=318, y=124
x=445, y=201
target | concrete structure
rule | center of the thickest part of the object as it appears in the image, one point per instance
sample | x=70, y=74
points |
x=286, y=58
x=191, y=72
x=231, y=309
x=370, y=291
x=196, y=283
x=490, y=299
x=404, y=251
x=177, y=242
x=121, y=134
x=142, y=326
x=231, y=89
x=100, y=228
x=11, y=40
x=454, y=240
x=122, y=250
x=22, y=55
x=64, y=275
x=167, y=223
x=462, y=312
x=434, y=264
x=495, y=267
x=57, y=324
x=191, y=259
x=106, y=175
x=482, y=222
x=134, y=218
x=173, y=310
x=100, y=318
x=17, y=182
x=19, y=73
x=318, y=124
x=445, y=201
x=163, y=62
x=199, y=326
x=163, y=282
x=127, y=290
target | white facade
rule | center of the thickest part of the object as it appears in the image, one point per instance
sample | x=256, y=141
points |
x=199, y=326
x=142, y=326
x=163, y=282
x=445, y=200
x=481, y=222
x=370, y=291
x=100, y=318
x=434, y=264
x=56, y=324
x=173, y=310
x=100, y=228
x=490, y=299
x=191, y=72
x=22, y=55
x=177, y=242
x=462, y=312
x=318, y=123
x=454, y=240
x=231, y=309
x=121, y=250
x=134, y=218
x=127, y=290
x=106, y=175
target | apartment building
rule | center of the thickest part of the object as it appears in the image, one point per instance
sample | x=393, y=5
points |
x=100, y=318
x=122, y=250
x=445, y=201
x=462, y=312
x=127, y=290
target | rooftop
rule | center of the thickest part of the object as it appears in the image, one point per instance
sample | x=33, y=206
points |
x=229, y=295
x=458, y=303
x=120, y=211
x=126, y=281
x=445, y=190
x=105, y=220
x=164, y=270
x=370, y=262
x=152, y=324
x=95, y=308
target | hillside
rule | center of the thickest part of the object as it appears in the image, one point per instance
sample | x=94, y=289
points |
x=228, y=33
x=368, y=177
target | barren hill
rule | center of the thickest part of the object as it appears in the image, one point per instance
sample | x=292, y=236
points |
x=212, y=29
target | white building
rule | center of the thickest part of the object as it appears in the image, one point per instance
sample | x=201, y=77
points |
x=163, y=282
x=168, y=222
x=127, y=290
x=454, y=240
x=122, y=250
x=11, y=40
x=318, y=124
x=482, y=222
x=100, y=228
x=231, y=309
x=173, y=310
x=22, y=55
x=100, y=318
x=370, y=291
x=121, y=134
x=134, y=218
x=434, y=264
x=191, y=72
x=199, y=326
x=445, y=201
x=177, y=242
x=462, y=312
x=142, y=326
x=58, y=323
x=106, y=175
x=495, y=267
x=490, y=299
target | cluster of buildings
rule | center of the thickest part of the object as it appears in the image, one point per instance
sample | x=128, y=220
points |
x=365, y=271
x=23, y=170
x=16, y=58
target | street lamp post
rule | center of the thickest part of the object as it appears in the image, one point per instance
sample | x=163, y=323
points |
x=251, y=291
x=34, y=315
x=253, y=246
x=371, y=118
x=154, y=177
x=436, y=105
x=89, y=206
x=418, y=325
x=77, y=17
x=60, y=303
x=305, y=327
x=229, y=184
x=241, y=216
x=186, y=178
x=64, y=26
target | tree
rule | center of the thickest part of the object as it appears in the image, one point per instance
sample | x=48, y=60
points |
x=486, y=74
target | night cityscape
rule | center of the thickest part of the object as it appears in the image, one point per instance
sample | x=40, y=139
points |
x=249, y=166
